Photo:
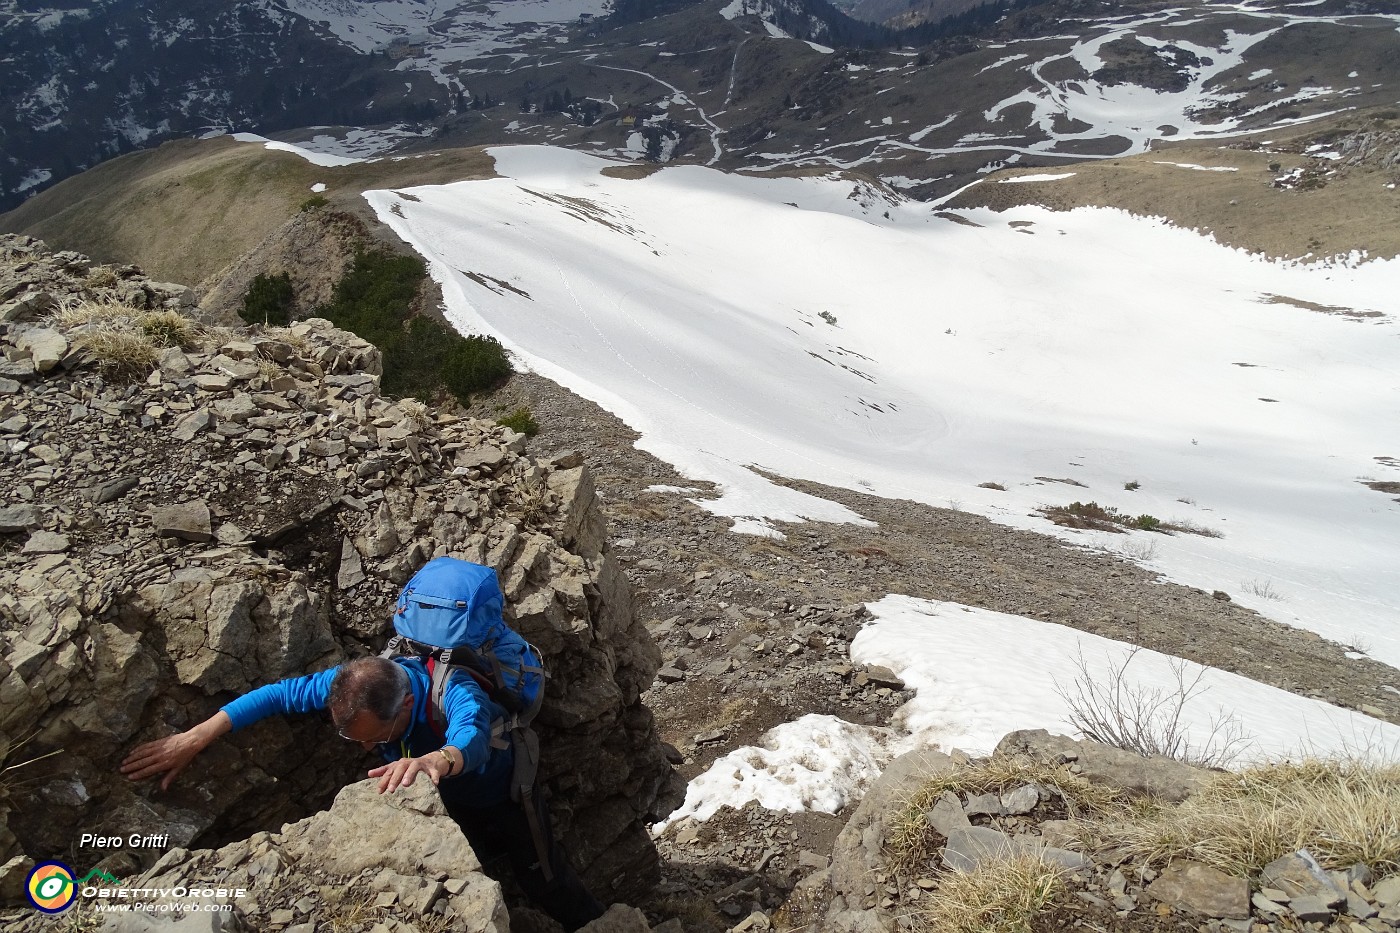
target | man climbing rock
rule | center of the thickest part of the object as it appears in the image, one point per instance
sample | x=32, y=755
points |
x=445, y=728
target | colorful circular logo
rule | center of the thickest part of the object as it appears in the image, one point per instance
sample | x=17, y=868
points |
x=50, y=887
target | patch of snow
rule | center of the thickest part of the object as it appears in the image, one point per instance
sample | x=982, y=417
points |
x=1199, y=168
x=1005, y=61
x=1019, y=179
x=918, y=136
x=978, y=675
x=315, y=158
x=816, y=763
x=319, y=187
x=34, y=179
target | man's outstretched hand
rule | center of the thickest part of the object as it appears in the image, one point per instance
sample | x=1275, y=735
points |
x=170, y=755
x=401, y=773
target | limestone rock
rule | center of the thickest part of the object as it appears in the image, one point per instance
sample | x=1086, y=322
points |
x=46, y=347
x=146, y=624
x=45, y=542
x=1298, y=874
x=976, y=845
x=188, y=521
x=1161, y=777
x=1202, y=890
x=947, y=815
x=20, y=518
x=620, y=919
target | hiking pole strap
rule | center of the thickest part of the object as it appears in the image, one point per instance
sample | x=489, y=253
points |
x=527, y=800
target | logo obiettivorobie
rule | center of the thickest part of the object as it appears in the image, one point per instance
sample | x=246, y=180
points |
x=51, y=887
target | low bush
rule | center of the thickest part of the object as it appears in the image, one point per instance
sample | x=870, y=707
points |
x=374, y=300
x=269, y=301
x=1118, y=710
x=475, y=364
x=521, y=421
x=1097, y=517
x=313, y=202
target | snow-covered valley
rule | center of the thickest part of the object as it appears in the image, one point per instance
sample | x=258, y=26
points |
x=826, y=329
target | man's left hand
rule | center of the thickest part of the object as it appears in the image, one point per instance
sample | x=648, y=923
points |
x=402, y=773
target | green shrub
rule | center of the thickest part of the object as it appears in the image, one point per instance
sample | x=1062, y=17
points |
x=422, y=356
x=313, y=202
x=1131, y=485
x=828, y=317
x=269, y=301
x=1148, y=522
x=375, y=296
x=474, y=365
x=521, y=421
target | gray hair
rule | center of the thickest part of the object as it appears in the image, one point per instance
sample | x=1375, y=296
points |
x=375, y=685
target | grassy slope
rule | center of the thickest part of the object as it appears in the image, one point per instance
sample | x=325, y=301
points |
x=187, y=209
x=1239, y=208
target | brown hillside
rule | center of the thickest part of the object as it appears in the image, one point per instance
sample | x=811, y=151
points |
x=186, y=210
x=1335, y=206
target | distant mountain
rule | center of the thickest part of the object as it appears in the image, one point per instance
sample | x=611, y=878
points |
x=898, y=13
x=82, y=84
x=754, y=84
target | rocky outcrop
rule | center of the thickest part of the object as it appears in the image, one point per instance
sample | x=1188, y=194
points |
x=394, y=859
x=1106, y=886
x=246, y=511
x=314, y=249
x=1157, y=776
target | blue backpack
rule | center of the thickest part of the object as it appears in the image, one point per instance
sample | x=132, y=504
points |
x=449, y=615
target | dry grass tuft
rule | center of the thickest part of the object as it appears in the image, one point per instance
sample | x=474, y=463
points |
x=1344, y=812
x=123, y=355
x=291, y=338
x=1002, y=896
x=125, y=341
x=101, y=277
x=168, y=328
x=912, y=842
x=416, y=412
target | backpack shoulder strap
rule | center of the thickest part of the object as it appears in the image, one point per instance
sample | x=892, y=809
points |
x=439, y=671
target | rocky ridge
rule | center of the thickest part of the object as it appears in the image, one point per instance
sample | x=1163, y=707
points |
x=247, y=511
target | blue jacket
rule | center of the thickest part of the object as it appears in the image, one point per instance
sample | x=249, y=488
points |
x=485, y=776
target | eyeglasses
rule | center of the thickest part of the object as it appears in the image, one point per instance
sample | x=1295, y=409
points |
x=393, y=730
